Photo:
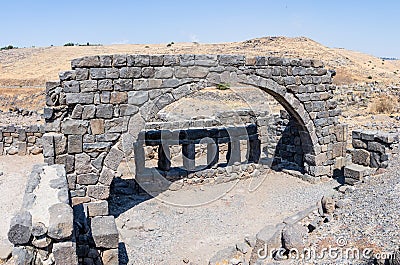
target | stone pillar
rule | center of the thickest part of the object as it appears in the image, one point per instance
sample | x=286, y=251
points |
x=164, y=157
x=188, y=155
x=212, y=153
x=233, y=154
x=139, y=157
x=254, y=150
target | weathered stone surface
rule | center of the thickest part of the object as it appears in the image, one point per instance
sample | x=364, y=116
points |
x=74, y=127
x=328, y=204
x=356, y=172
x=87, y=179
x=268, y=238
x=138, y=98
x=110, y=257
x=74, y=144
x=65, y=253
x=82, y=164
x=116, y=125
x=114, y=158
x=104, y=111
x=106, y=176
x=294, y=237
x=99, y=192
x=97, y=126
x=104, y=231
x=361, y=157
x=61, y=221
x=99, y=208
x=20, y=228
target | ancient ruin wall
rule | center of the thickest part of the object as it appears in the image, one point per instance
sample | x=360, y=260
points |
x=21, y=140
x=95, y=112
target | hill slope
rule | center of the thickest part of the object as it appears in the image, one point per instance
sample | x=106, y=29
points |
x=35, y=66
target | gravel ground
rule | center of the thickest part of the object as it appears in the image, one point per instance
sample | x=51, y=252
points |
x=369, y=219
x=157, y=231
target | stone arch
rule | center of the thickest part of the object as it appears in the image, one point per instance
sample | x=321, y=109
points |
x=96, y=110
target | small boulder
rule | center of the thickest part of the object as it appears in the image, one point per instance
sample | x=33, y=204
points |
x=294, y=237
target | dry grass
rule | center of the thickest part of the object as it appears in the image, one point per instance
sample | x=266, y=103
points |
x=383, y=104
x=26, y=98
x=35, y=66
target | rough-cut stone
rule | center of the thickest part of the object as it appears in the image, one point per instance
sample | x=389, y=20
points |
x=104, y=231
x=74, y=144
x=65, y=253
x=61, y=221
x=110, y=257
x=294, y=237
x=114, y=158
x=99, y=208
x=99, y=192
x=355, y=172
x=361, y=157
x=138, y=98
x=74, y=127
x=20, y=228
x=268, y=238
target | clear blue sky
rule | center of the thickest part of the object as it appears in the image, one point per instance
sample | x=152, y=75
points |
x=367, y=26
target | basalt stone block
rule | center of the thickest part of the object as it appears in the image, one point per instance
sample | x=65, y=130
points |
x=368, y=135
x=98, y=192
x=20, y=228
x=376, y=147
x=138, y=98
x=88, y=85
x=359, y=144
x=61, y=221
x=96, y=147
x=74, y=144
x=116, y=125
x=104, y=111
x=81, y=74
x=87, y=179
x=355, y=172
x=123, y=84
x=114, y=158
x=79, y=98
x=163, y=72
x=88, y=61
x=65, y=253
x=67, y=75
x=231, y=60
x=99, y=208
x=130, y=72
x=361, y=157
x=74, y=127
x=104, y=231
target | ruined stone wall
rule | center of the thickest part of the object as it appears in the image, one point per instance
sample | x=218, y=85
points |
x=19, y=140
x=96, y=111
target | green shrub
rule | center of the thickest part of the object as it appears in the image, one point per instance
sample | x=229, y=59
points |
x=369, y=77
x=69, y=44
x=223, y=86
x=9, y=47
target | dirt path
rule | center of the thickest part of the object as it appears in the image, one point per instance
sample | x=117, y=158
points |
x=157, y=232
x=12, y=186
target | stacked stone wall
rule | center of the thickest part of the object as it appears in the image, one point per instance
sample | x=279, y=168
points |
x=21, y=140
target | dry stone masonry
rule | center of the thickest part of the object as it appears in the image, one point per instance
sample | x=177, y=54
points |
x=371, y=151
x=96, y=112
x=17, y=140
